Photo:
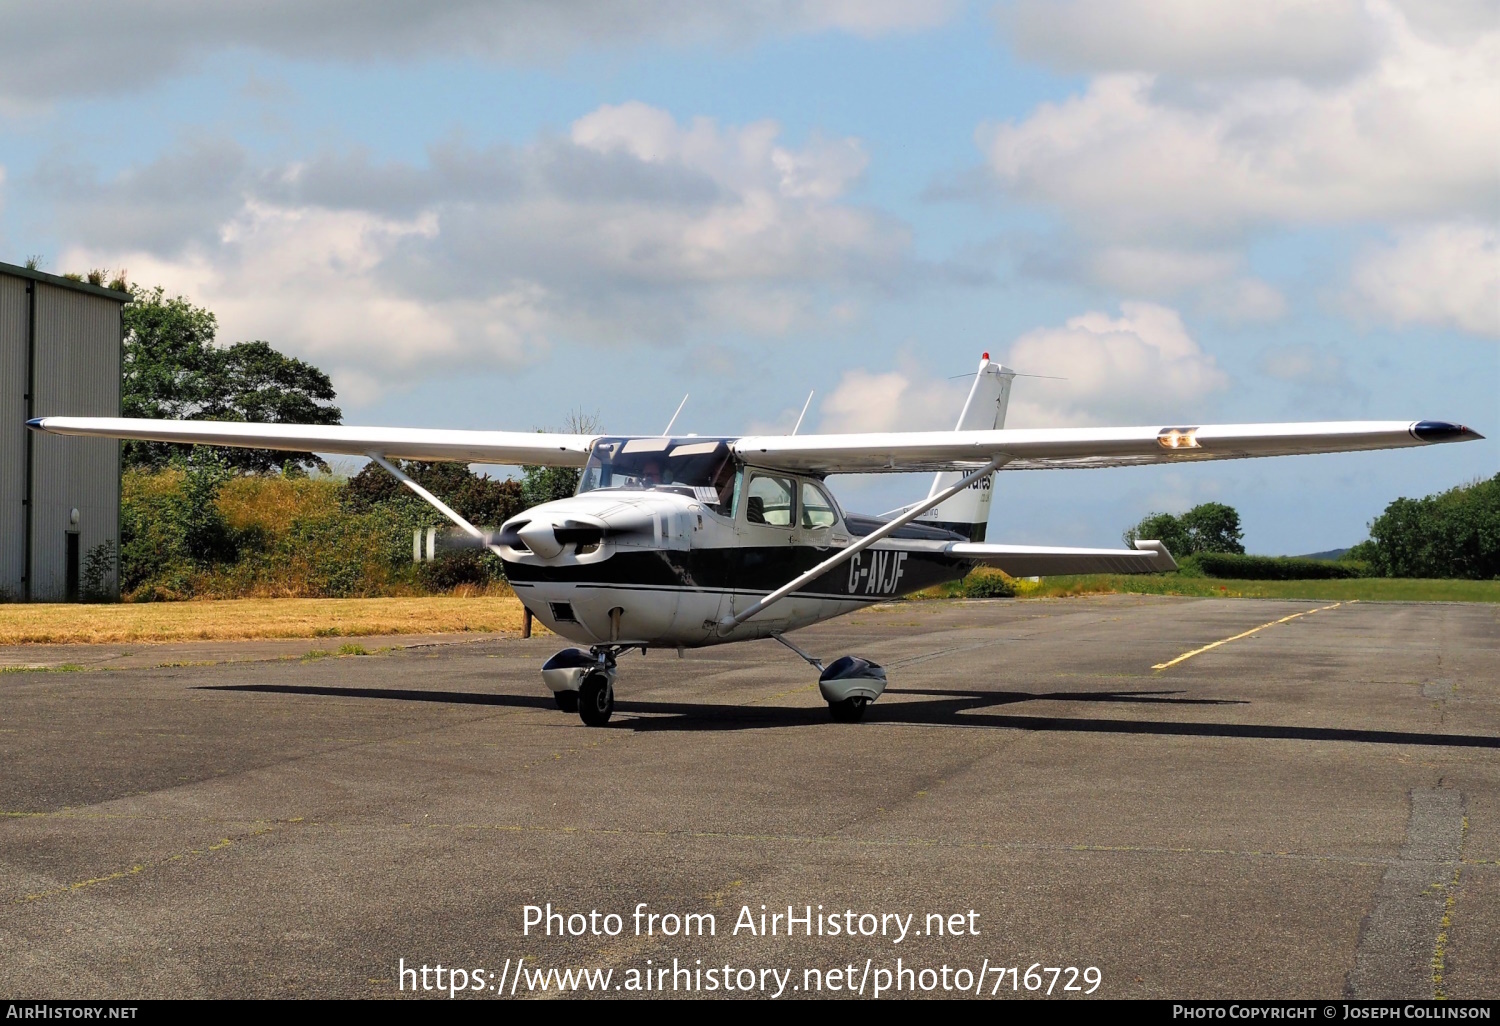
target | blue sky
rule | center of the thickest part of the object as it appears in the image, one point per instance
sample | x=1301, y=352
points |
x=490, y=215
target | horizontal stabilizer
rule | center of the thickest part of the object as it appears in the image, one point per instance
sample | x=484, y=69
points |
x=1149, y=557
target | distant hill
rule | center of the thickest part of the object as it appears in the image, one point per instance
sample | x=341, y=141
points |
x=1330, y=554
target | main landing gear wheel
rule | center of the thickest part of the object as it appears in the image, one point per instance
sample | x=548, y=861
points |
x=850, y=710
x=596, y=700
x=567, y=701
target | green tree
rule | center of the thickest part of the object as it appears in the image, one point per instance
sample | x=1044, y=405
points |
x=478, y=498
x=544, y=484
x=1453, y=534
x=171, y=526
x=1207, y=527
x=1162, y=527
x=1213, y=527
x=174, y=371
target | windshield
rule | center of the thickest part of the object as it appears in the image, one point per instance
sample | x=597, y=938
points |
x=700, y=467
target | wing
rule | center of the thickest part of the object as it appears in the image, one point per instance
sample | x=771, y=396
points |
x=508, y=447
x=1083, y=447
x=1149, y=557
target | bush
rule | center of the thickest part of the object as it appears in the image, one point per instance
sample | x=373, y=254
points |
x=1274, y=568
x=1207, y=527
x=478, y=499
x=456, y=569
x=99, y=572
x=987, y=584
x=1454, y=534
x=194, y=532
x=154, y=562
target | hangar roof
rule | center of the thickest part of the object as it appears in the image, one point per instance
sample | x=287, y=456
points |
x=64, y=283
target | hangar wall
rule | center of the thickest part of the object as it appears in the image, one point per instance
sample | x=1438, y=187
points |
x=14, y=300
x=59, y=356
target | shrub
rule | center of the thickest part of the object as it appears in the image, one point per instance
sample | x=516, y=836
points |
x=987, y=584
x=1207, y=527
x=455, y=569
x=194, y=531
x=99, y=572
x=1274, y=568
x=1452, y=534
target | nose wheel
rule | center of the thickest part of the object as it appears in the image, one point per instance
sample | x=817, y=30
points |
x=849, y=710
x=596, y=699
x=584, y=682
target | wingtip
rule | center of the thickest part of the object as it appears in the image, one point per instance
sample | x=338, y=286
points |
x=1442, y=431
x=35, y=423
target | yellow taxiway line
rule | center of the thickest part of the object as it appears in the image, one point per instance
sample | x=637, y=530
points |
x=1224, y=641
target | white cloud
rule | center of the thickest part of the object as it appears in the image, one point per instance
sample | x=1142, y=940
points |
x=1253, y=37
x=1451, y=20
x=305, y=279
x=1142, y=365
x=1445, y=274
x=907, y=399
x=72, y=47
x=1412, y=133
x=1160, y=270
x=875, y=17
x=634, y=228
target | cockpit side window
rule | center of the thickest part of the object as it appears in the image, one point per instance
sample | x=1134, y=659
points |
x=768, y=501
x=818, y=510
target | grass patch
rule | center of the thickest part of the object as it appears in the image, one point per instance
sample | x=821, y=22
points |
x=1364, y=589
x=352, y=649
x=244, y=619
x=986, y=582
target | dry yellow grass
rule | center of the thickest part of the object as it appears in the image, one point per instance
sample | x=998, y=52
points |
x=265, y=501
x=239, y=619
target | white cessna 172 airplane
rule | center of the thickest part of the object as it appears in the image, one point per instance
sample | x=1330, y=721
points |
x=681, y=541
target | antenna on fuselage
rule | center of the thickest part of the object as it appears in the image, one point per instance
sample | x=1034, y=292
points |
x=804, y=410
x=668, y=429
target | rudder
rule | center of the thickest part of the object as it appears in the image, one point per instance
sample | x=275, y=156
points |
x=968, y=512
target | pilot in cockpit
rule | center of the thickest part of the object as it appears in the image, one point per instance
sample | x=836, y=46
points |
x=650, y=474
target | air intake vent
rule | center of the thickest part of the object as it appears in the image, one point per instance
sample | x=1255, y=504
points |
x=562, y=612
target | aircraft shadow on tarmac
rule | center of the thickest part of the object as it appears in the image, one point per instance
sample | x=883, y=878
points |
x=948, y=708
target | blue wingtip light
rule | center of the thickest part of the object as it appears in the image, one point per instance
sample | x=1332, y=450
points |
x=1441, y=431
x=35, y=423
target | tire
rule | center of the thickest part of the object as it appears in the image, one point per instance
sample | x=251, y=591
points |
x=567, y=701
x=596, y=700
x=850, y=710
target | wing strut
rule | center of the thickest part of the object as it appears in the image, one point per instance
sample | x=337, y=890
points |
x=432, y=500
x=874, y=536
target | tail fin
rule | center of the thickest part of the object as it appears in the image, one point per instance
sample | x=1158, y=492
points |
x=968, y=513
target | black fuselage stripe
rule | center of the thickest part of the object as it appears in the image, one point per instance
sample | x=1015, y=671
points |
x=873, y=574
x=605, y=586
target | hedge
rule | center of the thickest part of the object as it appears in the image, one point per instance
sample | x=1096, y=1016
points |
x=1273, y=568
